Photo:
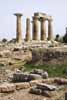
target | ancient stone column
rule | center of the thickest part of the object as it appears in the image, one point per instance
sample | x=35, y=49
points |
x=35, y=28
x=18, y=28
x=50, y=29
x=43, y=28
x=28, y=37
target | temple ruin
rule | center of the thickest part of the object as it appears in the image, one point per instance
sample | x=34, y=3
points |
x=37, y=17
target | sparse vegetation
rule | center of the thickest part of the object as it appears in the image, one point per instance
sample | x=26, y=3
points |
x=65, y=38
x=57, y=37
x=4, y=40
x=53, y=70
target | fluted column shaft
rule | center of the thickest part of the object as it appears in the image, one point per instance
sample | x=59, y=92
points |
x=50, y=29
x=18, y=28
x=28, y=30
x=43, y=28
x=35, y=28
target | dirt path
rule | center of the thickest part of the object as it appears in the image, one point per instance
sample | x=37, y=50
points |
x=21, y=95
x=25, y=95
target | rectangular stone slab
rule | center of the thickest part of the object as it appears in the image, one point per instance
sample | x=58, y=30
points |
x=46, y=86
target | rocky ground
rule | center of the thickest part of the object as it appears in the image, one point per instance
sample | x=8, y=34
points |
x=21, y=95
x=13, y=57
x=27, y=86
x=24, y=94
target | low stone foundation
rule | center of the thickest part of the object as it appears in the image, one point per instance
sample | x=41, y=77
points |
x=50, y=55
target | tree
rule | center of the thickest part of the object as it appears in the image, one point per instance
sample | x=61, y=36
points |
x=57, y=37
x=4, y=40
x=65, y=38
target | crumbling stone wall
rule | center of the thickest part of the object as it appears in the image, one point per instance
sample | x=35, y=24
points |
x=43, y=56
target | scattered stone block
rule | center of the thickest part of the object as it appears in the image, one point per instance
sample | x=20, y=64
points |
x=24, y=77
x=40, y=91
x=48, y=80
x=46, y=93
x=60, y=81
x=35, y=82
x=34, y=90
x=46, y=87
x=7, y=88
x=22, y=85
x=20, y=77
x=45, y=75
x=34, y=76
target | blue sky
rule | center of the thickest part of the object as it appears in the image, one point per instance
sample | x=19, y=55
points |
x=56, y=8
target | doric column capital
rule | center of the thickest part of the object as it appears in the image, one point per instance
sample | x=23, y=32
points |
x=35, y=18
x=43, y=18
x=50, y=18
x=18, y=14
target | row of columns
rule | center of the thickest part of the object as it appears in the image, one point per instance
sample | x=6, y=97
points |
x=35, y=28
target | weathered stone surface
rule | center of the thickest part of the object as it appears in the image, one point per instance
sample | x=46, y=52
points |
x=21, y=77
x=45, y=75
x=51, y=56
x=40, y=72
x=40, y=91
x=28, y=37
x=46, y=93
x=22, y=85
x=35, y=82
x=34, y=76
x=48, y=81
x=25, y=77
x=60, y=81
x=43, y=28
x=7, y=87
x=37, y=71
x=34, y=90
x=44, y=86
x=35, y=28
x=50, y=29
x=49, y=93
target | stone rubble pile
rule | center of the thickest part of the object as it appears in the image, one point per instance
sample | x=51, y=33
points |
x=43, y=89
x=44, y=86
x=11, y=87
x=26, y=77
x=39, y=87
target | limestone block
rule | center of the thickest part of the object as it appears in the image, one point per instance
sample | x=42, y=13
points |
x=61, y=81
x=35, y=82
x=44, y=86
x=34, y=90
x=22, y=85
x=7, y=87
